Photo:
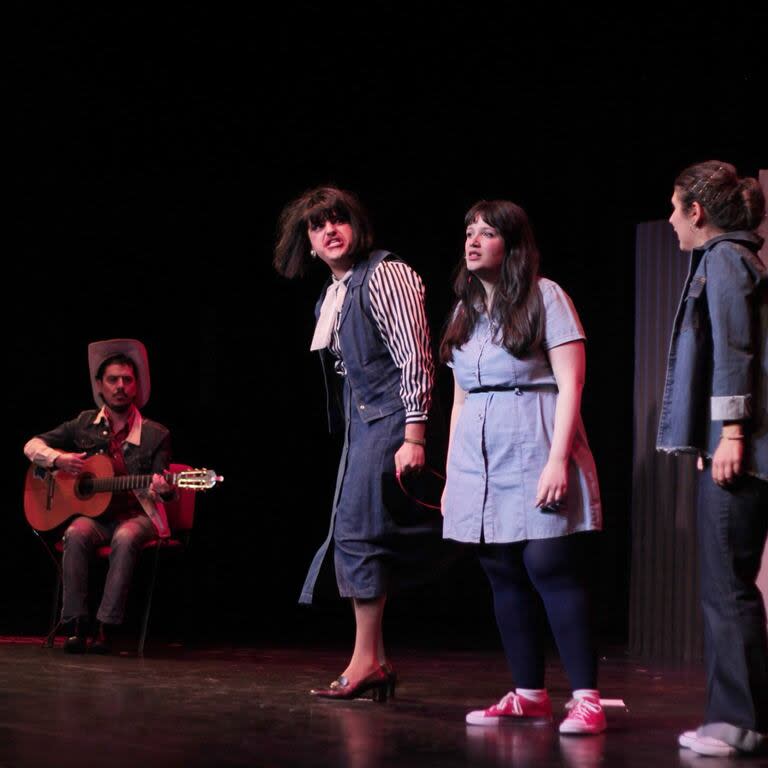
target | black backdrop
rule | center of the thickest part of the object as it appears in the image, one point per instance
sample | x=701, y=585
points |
x=150, y=153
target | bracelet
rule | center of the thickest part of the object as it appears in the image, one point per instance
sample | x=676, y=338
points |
x=414, y=441
x=731, y=437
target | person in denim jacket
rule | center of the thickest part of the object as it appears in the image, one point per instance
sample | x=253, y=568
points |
x=120, y=380
x=715, y=405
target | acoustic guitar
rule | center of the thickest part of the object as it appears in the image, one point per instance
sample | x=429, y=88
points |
x=50, y=498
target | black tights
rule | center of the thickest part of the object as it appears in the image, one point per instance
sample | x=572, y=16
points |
x=525, y=574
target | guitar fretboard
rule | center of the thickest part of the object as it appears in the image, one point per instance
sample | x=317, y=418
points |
x=123, y=482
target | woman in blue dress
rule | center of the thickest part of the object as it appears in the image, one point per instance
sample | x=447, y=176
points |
x=521, y=481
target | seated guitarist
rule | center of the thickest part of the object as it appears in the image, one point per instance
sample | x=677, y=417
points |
x=119, y=371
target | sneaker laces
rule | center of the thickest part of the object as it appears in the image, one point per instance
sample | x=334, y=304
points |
x=583, y=709
x=510, y=700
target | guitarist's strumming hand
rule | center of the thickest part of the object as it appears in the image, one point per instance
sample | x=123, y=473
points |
x=72, y=463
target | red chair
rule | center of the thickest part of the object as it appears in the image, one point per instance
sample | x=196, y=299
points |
x=181, y=518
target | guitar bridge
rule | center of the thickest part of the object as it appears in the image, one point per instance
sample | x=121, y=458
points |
x=51, y=487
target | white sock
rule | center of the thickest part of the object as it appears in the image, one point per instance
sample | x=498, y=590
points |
x=586, y=693
x=533, y=694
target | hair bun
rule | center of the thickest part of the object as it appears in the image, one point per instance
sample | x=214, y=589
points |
x=752, y=201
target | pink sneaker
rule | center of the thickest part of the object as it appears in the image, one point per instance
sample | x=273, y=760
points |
x=511, y=706
x=585, y=716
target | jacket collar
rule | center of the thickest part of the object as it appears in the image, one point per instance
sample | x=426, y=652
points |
x=134, y=436
x=751, y=240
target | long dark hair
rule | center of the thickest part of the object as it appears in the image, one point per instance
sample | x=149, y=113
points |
x=517, y=308
x=730, y=203
x=292, y=250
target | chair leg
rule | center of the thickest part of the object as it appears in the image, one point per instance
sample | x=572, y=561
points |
x=55, y=621
x=148, y=607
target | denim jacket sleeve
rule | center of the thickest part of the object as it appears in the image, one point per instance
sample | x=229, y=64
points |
x=73, y=435
x=731, y=289
x=162, y=456
x=61, y=437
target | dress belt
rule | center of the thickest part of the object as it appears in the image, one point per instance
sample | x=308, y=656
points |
x=517, y=390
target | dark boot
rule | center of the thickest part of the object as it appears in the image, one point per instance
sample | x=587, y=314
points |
x=76, y=642
x=101, y=643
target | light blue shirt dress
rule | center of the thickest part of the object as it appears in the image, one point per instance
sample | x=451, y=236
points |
x=503, y=437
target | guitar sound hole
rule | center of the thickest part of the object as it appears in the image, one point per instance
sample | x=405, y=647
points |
x=84, y=486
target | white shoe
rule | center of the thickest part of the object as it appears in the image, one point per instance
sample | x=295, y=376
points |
x=686, y=738
x=705, y=745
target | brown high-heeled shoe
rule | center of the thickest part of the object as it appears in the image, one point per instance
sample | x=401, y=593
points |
x=389, y=671
x=378, y=683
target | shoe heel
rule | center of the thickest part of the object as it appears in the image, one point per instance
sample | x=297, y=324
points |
x=391, y=685
x=379, y=692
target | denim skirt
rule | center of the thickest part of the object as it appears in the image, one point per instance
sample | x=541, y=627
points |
x=379, y=537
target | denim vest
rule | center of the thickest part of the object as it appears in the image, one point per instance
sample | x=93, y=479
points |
x=718, y=358
x=374, y=379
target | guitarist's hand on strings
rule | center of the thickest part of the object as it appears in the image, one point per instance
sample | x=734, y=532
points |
x=72, y=463
x=160, y=487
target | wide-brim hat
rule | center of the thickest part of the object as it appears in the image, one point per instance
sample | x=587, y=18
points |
x=99, y=351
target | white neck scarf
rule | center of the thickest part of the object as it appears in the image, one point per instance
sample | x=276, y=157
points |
x=329, y=312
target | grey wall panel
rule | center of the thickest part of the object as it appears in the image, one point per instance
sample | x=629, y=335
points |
x=664, y=614
x=762, y=579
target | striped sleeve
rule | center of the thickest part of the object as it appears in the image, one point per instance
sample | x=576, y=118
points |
x=397, y=304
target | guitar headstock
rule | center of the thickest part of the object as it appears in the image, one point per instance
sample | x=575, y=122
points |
x=197, y=479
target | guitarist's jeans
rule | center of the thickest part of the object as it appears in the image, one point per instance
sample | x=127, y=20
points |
x=82, y=538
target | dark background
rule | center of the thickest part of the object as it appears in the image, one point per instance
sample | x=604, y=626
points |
x=150, y=153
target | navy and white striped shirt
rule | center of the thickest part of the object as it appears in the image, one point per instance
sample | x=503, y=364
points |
x=397, y=304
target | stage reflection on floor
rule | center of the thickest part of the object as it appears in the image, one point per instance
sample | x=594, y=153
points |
x=250, y=707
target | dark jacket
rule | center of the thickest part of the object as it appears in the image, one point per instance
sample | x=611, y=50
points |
x=149, y=454
x=718, y=358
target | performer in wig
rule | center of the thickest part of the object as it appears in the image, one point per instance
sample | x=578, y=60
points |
x=373, y=337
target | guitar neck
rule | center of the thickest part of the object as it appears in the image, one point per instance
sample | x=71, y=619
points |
x=125, y=482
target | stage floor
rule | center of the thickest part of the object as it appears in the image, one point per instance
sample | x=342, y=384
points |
x=249, y=707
